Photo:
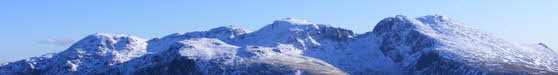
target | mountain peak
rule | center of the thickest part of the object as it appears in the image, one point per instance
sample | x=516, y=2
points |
x=227, y=32
x=102, y=39
x=426, y=24
x=291, y=21
x=286, y=25
x=107, y=35
x=398, y=23
x=102, y=44
x=98, y=50
x=432, y=19
x=544, y=45
x=400, y=16
x=115, y=47
x=229, y=29
x=290, y=24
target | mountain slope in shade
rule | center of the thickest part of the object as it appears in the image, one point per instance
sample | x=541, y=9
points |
x=431, y=44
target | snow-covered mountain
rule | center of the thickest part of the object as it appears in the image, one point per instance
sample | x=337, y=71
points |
x=431, y=44
x=438, y=44
x=91, y=53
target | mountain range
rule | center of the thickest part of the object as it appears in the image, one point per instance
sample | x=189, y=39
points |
x=399, y=45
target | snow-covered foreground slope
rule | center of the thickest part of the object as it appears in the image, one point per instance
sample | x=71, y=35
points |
x=398, y=45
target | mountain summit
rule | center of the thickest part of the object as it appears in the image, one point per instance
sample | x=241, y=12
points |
x=432, y=44
x=437, y=44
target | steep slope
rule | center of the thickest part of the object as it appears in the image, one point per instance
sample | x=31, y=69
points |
x=437, y=44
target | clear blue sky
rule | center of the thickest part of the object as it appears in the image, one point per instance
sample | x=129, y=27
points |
x=36, y=27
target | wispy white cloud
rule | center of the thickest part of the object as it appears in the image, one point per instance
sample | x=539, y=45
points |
x=58, y=41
